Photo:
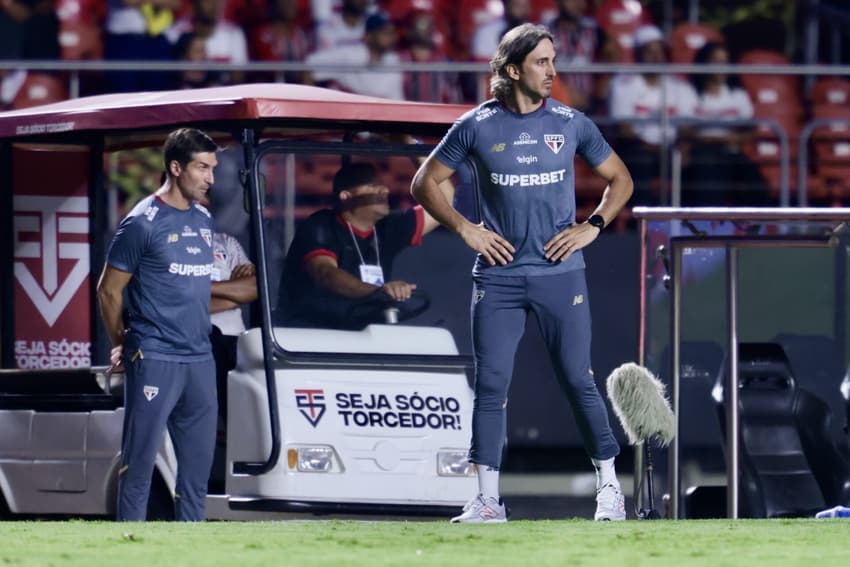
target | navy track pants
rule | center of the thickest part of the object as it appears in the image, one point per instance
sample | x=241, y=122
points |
x=181, y=396
x=500, y=307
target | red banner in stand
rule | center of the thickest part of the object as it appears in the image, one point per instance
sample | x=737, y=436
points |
x=51, y=259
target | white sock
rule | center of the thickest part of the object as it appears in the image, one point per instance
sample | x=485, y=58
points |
x=605, y=473
x=488, y=482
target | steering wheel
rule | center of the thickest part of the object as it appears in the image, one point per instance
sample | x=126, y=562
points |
x=374, y=308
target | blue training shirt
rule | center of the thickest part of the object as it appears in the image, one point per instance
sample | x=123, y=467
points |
x=525, y=175
x=169, y=252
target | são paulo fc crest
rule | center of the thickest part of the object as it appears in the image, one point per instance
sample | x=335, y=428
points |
x=206, y=234
x=150, y=392
x=311, y=404
x=554, y=141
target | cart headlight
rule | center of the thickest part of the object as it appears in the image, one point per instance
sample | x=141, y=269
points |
x=313, y=459
x=454, y=462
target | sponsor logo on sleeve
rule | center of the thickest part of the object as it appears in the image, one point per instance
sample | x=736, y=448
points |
x=151, y=212
x=485, y=113
x=564, y=111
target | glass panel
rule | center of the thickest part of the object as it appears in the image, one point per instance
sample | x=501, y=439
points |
x=303, y=221
x=788, y=293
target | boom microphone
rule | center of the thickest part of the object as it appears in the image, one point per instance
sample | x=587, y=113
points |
x=642, y=408
x=640, y=403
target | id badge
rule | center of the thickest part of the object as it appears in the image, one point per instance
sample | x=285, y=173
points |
x=372, y=274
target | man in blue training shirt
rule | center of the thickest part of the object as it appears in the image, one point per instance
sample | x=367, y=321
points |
x=162, y=253
x=521, y=146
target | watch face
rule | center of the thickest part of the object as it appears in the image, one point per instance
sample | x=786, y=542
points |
x=597, y=221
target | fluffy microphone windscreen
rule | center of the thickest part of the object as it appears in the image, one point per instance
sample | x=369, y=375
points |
x=641, y=405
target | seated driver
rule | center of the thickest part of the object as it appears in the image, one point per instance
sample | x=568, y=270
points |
x=338, y=271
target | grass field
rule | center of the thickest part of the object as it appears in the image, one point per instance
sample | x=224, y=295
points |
x=710, y=543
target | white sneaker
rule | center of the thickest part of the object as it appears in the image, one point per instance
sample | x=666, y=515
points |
x=482, y=510
x=610, y=504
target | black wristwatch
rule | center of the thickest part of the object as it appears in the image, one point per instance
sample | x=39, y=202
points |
x=597, y=221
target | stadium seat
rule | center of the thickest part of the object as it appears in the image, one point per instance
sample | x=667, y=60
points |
x=92, y=12
x=777, y=98
x=789, y=465
x=619, y=19
x=831, y=151
x=40, y=88
x=457, y=21
x=80, y=40
x=830, y=91
x=778, y=90
x=688, y=38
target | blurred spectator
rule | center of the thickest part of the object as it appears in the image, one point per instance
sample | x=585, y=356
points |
x=136, y=32
x=247, y=14
x=421, y=43
x=717, y=172
x=281, y=38
x=224, y=41
x=29, y=29
x=375, y=50
x=577, y=38
x=640, y=97
x=192, y=47
x=343, y=28
x=487, y=36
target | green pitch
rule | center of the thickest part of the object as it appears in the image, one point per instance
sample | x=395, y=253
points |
x=574, y=543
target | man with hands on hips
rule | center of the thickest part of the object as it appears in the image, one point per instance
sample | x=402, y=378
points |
x=521, y=145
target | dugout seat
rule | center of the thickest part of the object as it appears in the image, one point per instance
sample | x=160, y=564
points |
x=789, y=464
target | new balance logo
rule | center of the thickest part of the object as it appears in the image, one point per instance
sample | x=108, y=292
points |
x=579, y=299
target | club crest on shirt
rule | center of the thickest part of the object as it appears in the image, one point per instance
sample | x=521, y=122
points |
x=554, y=141
x=150, y=392
x=206, y=234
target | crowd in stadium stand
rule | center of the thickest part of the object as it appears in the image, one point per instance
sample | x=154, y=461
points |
x=370, y=33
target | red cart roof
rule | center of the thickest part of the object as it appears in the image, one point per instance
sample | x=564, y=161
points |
x=234, y=103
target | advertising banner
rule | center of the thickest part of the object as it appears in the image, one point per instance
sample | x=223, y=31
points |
x=51, y=259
